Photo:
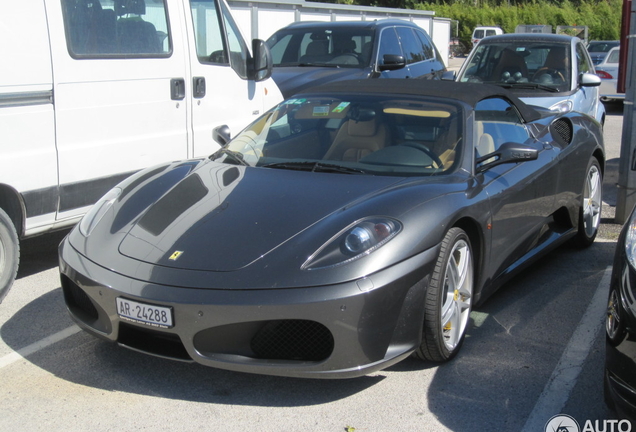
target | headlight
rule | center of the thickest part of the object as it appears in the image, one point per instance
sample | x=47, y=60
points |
x=563, y=106
x=630, y=241
x=355, y=241
x=95, y=214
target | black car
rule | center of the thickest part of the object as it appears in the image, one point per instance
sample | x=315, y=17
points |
x=349, y=227
x=620, y=353
x=310, y=53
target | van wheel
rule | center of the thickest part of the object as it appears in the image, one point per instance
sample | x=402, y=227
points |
x=448, y=299
x=9, y=254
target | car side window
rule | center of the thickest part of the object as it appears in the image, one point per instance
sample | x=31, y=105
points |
x=210, y=19
x=121, y=28
x=411, y=45
x=583, y=59
x=497, y=121
x=389, y=43
x=427, y=45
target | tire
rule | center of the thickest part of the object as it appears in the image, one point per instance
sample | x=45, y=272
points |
x=448, y=299
x=614, y=323
x=9, y=254
x=592, y=201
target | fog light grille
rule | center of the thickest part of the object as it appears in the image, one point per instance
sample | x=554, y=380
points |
x=293, y=340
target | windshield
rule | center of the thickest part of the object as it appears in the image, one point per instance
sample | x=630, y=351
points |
x=374, y=135
x=601, y=46
x=541, y=65
x=338, y=47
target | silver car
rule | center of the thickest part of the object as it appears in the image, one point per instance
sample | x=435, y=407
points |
x=608, y=71
x=599, y=49
x=548, y=70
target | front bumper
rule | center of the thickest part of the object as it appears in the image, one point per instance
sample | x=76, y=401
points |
x=337, y=331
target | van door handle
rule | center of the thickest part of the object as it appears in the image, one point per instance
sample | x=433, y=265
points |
x=198, y=87
x=177, y=88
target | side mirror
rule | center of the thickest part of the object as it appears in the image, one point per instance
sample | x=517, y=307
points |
x=261, y=62
x=589, y=80
x=221, y=134
x=449, y=75
x=507, y=153
x=392, y=62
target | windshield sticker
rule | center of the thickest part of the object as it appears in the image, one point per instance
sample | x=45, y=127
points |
x=295, y=102
x=341, y=107
x=321, y=111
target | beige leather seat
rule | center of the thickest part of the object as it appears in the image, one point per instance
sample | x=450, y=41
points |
x=356, y=139
x=485, y=143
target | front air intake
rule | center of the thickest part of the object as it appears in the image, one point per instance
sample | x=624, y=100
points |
x=293, y=340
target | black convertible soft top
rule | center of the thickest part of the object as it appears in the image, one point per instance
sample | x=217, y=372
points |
x=469, y=93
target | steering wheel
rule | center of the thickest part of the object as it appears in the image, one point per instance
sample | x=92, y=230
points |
x=421, y=147
x=549, y=71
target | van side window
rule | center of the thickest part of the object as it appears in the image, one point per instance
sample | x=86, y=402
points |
x=210, y=18
x=116, y=28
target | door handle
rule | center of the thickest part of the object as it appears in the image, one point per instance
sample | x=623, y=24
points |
x=177, y=89
x=198, y=87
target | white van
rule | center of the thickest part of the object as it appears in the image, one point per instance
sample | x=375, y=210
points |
x=94, y=90
x=481, y=32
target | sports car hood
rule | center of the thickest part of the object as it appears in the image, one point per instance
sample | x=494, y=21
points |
x=291, y=80
x=223, y=217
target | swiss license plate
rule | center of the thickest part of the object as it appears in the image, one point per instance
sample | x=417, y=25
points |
x=143, y=313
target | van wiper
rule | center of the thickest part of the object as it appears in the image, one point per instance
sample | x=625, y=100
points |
x=314, y=167
x=529, y=85
x=238, y=157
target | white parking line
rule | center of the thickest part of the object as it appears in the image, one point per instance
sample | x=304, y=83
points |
x=558, y=388
x=37, y=346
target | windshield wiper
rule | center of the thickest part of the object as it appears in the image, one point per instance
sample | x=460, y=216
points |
x=529, y=86
x=314, y=167
x=238, y=157
x=330, y=65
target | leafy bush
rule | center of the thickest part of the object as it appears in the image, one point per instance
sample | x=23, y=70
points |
x=602, y=17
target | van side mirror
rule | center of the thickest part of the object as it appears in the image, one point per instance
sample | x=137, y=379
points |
x=260, y=66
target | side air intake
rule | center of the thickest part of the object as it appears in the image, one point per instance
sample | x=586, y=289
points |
x=562, y=131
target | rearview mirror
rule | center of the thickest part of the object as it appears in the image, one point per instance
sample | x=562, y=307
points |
x=507, y=153
x=449, y=75
x=589, y=80
x=221, y=134
x=392, y=62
